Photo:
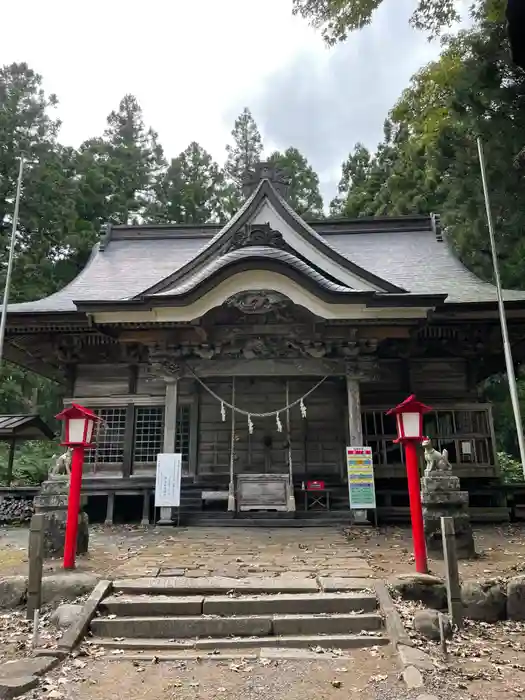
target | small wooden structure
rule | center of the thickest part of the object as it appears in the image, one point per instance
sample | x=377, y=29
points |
x=20, y=427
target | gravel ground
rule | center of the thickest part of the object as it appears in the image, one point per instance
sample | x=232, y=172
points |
x=358, y=676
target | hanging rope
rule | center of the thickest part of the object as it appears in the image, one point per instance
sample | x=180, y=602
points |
x=250, y=414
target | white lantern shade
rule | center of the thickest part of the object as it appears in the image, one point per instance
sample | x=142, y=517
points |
x=76, y=428
x=90, y=425
x=80, y=430
x=409, y=425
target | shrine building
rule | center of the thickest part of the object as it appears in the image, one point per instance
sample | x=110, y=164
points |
x=311, y=330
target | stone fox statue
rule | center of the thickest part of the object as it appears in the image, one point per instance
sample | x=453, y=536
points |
x=437, y=462
x=62, y=465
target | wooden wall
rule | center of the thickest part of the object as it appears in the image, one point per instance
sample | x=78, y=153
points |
x=445, y=379
x=317, y=441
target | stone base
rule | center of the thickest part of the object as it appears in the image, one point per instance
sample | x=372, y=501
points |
x=55, y=533
x=464, y=539
x=52, y=501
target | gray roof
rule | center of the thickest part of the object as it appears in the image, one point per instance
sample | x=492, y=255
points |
x=25, y=427
x=254, y=251
x=406, y=252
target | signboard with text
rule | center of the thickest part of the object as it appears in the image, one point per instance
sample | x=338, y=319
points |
x=361, y=484
x=167, y=483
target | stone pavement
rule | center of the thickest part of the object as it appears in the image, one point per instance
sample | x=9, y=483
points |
x=239, y=552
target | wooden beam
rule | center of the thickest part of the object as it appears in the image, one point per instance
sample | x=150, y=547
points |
x=267, y=368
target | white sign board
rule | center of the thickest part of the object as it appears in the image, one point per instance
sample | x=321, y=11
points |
x=167, y=483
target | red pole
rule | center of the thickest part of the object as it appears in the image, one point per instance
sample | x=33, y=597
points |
x=73, y=507
x=416, y=512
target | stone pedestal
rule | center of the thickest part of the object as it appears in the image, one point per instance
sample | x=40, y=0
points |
x=441, y=497
x=52, y=501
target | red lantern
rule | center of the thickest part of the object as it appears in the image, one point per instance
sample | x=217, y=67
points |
x=79, y=425
x=409, y=416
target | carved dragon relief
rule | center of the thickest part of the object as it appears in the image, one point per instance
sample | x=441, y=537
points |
x=259, y=301
x=284, y=346
x=255, y=235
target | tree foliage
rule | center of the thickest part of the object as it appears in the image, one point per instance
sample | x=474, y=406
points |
x=338, y=18
x=428, y=159
x=192, y=190
x=304, y=194
x=122, y=165
x=246, y=149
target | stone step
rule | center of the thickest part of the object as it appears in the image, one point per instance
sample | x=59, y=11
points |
x=329, y=641
x=180, y=627
x=217, y=585
x=306, y=603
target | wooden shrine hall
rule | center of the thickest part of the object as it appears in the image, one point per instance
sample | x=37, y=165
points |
x=310, y=330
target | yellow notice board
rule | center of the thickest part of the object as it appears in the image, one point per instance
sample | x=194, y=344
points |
x=361, y=484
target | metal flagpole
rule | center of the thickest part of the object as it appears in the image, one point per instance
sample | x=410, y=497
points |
x=9, y=270
x=503, y=320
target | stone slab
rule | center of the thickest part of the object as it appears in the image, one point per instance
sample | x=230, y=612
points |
x=300, y=654
x=32, y=666
x=184, y=655
x=330, y=584
x=216, y=584
x=13, y=687
x=412, y=677
x=329, y=641
x=329, y=624
x=135, y=606
x=172, y=572
x=182, y=627
x=393, y=622
x=289, y=604
x=13, y=590
x=411, y=656
x=74, y=634
x=66, y=586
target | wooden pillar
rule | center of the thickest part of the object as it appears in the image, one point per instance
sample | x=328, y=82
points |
x=355, y=426
x=170, y=416
x=145, y=508
x=10, y=460
x=170, y=433
x=129, y=442
x=110, y=509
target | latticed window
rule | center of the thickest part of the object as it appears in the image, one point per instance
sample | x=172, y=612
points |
x=149, y=433
x=109, y=437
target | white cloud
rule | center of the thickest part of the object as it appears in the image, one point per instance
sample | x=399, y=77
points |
x=185, y=62
x=194, y=66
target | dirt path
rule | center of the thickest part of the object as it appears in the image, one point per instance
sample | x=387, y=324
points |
x=359, y=676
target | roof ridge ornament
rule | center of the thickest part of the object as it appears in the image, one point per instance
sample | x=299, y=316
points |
x=256, y=235
x=265, y=170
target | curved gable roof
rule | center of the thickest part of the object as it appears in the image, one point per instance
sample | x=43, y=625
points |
x=265, y=207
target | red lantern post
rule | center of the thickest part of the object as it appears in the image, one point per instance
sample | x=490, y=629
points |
x=409, y=416
x=79, y=427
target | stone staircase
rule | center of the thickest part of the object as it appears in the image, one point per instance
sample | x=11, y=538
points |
x=170, y=614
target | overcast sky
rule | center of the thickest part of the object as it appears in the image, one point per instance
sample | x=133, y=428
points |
x=194, y=66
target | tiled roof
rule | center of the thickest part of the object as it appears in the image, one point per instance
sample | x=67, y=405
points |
x=254, y=252
x=405, y=252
